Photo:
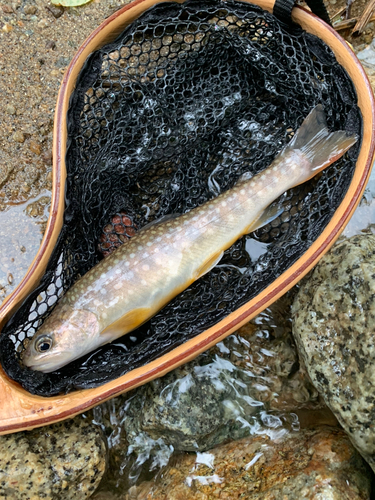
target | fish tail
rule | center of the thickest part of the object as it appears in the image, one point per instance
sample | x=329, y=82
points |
x=320, y=146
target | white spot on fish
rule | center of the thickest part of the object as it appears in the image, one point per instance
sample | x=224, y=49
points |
x=274, y=168
x=117, y=286
x=140, y=247
x=104, y=315
x=149, y=243
x=103, y=275
x=242, y=191
x=103, y=291
x=158, y=239
x=144, y=283
x=132, y=255
x=146, y=267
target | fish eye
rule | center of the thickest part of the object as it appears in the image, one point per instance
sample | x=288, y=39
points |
x=43, y=344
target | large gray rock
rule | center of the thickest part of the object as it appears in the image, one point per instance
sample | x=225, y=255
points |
x=63, y=461
x=334, y=326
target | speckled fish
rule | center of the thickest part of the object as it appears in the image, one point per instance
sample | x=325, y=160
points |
x=133, y=283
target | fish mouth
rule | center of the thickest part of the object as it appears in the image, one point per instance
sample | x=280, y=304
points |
x=53, y=363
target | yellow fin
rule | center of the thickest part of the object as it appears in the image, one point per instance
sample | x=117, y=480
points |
x=209, y=264
x=131, y=320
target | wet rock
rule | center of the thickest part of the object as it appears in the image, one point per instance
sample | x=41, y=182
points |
x=39, y=208
x=334, y=325
x=314, y=464
x=367, y=55
x=65, y=460
x=226, y=392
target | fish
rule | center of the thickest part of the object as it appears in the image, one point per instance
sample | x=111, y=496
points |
x=140, y=277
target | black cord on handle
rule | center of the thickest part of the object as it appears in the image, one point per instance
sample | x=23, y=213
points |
x=283, y=10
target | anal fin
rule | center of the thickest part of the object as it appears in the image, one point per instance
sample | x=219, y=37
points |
x=269, y=214
x=209, y=264
x=128, y=322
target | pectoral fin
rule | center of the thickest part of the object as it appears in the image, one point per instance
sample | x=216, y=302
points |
x=209, y=264
x=161, y=220
x=130, y=321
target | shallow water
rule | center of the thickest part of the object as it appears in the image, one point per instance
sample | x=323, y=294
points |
x=21, y=231
x=249, y=381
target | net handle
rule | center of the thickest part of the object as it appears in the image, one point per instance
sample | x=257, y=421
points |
x=283, y=10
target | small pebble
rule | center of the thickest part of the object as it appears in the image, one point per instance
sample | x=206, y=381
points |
x=7, y=9
x=10, y=278
x=30, y=9
x=35, y=147
x=18, y=136
x=50, y=45
x=47, y=157
x=43, y=23
x=56, y=10
x=62, y=62
x=10, y=109
x=7, y=28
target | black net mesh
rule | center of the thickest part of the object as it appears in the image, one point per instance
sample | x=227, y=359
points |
x=186, y=100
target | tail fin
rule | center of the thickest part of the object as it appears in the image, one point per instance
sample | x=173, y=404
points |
x=317, y=144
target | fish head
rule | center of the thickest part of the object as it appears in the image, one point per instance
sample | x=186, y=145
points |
x=66, y=335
